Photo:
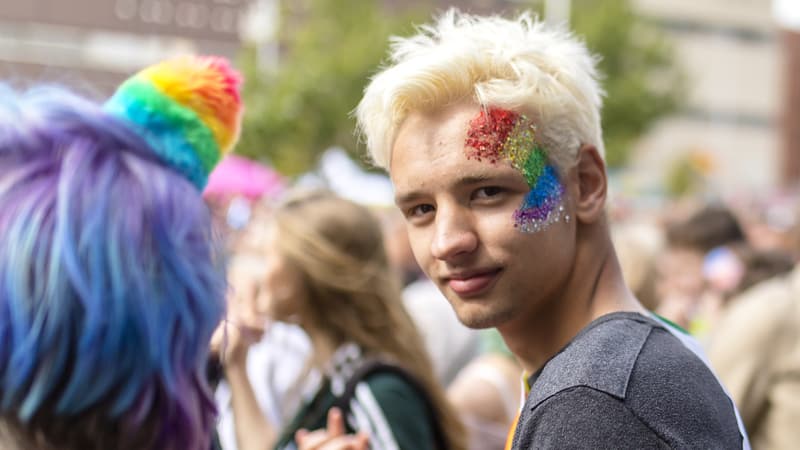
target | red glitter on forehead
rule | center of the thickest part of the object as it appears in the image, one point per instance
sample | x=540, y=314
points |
x=488, y=133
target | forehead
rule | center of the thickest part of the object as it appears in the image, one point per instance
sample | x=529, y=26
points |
x=260, y=235
x=432, y=144
x=435, y=129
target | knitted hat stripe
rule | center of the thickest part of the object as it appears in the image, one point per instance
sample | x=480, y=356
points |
x=175, y=132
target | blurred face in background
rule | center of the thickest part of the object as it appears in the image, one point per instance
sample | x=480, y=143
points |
x=680, y=272
x=265, y=285
x=398, y=250
x=680, y=283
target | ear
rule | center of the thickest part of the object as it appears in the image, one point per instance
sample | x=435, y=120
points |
x=592, y=185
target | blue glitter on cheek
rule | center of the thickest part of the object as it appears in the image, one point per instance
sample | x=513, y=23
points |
x=543, y=205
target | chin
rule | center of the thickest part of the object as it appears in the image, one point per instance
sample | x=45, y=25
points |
x=283, y=316
x=479, y=318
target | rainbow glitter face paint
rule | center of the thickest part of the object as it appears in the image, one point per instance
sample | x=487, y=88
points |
x=498, y=135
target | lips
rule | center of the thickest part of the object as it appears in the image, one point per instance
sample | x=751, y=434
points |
x=472, y=283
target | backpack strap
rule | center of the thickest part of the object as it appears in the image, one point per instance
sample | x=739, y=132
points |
x=374, y=366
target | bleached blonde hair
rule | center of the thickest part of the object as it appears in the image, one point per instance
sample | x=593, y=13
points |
x=518, y=64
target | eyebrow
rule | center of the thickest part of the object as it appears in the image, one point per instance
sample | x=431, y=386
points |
x=408, y=197
x=474, y=179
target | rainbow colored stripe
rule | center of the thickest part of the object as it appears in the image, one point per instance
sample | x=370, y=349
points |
x=188, y=109
x=499, y=134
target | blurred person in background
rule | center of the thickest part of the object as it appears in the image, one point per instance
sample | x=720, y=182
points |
x=769, y=220
x=324, y=268
x=239, y=189
x=111, y=281
x=681, y=286
x=755, y=349
x=486, y=393
x=730, y=270
x=708, y=261
x=276, y=362
x=490, y=131
x=235, y=187
x=638, y=247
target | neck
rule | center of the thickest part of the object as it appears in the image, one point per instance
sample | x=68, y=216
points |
x=322, y=343
x=593, y=288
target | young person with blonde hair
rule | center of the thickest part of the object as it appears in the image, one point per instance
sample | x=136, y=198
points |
x=490, y=130
x=318, y=260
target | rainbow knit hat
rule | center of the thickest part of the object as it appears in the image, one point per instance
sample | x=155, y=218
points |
x=188, y=109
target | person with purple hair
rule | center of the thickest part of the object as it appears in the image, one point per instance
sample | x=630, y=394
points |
x=110, y=285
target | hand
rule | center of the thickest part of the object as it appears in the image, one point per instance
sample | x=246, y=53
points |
x=231, y=341
x=243, y=326
x=333, y=437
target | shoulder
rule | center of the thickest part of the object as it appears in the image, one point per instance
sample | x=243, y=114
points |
x=622, y=353
x=583, y=417
x=311, y=415
x=392, y=411
x=654, y=378
x=391, y=388
x=602, y=356
x=678, y=395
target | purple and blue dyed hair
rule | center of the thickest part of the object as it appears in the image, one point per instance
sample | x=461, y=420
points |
x=109, y=284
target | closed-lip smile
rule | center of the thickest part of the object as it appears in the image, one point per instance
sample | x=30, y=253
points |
x=472, y=282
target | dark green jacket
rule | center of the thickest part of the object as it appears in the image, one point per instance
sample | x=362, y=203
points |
x=387, y=407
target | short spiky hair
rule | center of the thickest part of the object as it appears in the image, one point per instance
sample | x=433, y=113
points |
x=517, y=64
x=109, y=289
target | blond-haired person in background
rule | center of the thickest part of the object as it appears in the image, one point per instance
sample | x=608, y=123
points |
x=322, y=265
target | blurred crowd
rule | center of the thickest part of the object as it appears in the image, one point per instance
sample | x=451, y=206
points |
x=134, y=279
x=724, y=271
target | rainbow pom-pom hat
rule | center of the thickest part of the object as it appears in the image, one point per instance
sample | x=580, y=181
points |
x=188, y=109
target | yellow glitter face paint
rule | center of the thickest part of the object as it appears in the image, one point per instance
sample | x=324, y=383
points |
x=499, y=134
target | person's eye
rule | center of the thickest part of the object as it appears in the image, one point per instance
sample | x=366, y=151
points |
x=488, y=192
x=420, y=210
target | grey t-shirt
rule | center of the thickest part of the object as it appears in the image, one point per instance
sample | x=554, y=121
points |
x=625, y=382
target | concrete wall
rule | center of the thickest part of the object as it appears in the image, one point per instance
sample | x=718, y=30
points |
x=730, y=51
x=94, y=44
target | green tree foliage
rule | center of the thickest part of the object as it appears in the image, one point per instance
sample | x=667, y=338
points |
x=688, y=174
x=641, y=81
x=328, y=52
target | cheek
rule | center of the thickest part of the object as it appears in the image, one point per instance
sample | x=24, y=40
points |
x=553, y=242
x=420, y=243
x=543, y=206
x=261, y=303
x=279, y=283
x=281, y=296
x=500, y=237
x=272, y=279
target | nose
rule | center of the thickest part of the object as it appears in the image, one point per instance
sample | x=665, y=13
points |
x=454, y=234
